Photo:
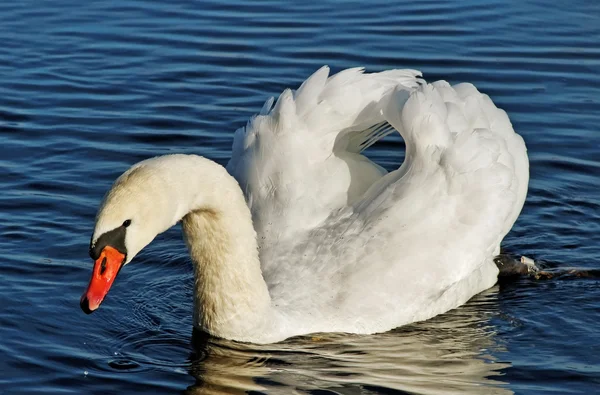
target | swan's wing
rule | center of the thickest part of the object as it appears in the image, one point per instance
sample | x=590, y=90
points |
x=421, y=240
x=299, y=161
x=461, y=149
x=443, y=214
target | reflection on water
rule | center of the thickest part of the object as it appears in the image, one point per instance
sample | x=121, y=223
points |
x=449, y=354
x=87, y=88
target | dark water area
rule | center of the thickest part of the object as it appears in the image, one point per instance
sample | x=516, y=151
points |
x=89, y=88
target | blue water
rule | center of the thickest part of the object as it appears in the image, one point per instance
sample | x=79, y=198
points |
x=88, y=88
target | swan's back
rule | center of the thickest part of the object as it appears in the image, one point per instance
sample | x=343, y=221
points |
x=360, y=250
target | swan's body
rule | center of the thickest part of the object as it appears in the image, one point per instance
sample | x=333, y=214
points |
x=321, y=239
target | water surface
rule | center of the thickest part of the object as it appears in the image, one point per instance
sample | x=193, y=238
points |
x=89, y=88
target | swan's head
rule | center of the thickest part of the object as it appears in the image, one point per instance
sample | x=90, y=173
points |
x=133, y=212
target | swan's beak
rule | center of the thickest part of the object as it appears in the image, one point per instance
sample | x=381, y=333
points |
x=106, y=268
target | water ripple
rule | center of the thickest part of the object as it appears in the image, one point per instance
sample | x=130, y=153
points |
x=88, y=88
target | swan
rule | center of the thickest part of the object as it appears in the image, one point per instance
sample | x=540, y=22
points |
x=301, y=233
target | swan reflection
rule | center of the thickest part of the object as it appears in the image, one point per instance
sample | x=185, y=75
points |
x=450, y=354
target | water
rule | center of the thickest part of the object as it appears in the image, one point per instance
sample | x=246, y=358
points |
x=88, y=88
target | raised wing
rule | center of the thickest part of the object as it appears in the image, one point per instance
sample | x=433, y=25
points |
x=441, y=216
x=299, y=161
x=421, y=239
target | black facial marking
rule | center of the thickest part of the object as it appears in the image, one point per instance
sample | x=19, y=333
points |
x=114, y=238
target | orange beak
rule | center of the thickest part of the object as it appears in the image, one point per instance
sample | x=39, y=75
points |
x=106, y=268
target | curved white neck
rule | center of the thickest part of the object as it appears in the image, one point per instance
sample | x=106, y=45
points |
x=231, y=297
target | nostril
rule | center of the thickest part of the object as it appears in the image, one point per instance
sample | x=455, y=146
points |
x=103, y=266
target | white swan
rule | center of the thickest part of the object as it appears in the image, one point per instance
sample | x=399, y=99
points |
x=319, y=238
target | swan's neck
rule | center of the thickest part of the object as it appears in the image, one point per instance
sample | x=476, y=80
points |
x=231, y=297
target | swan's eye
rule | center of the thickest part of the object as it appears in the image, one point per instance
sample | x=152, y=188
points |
x=127, y=223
